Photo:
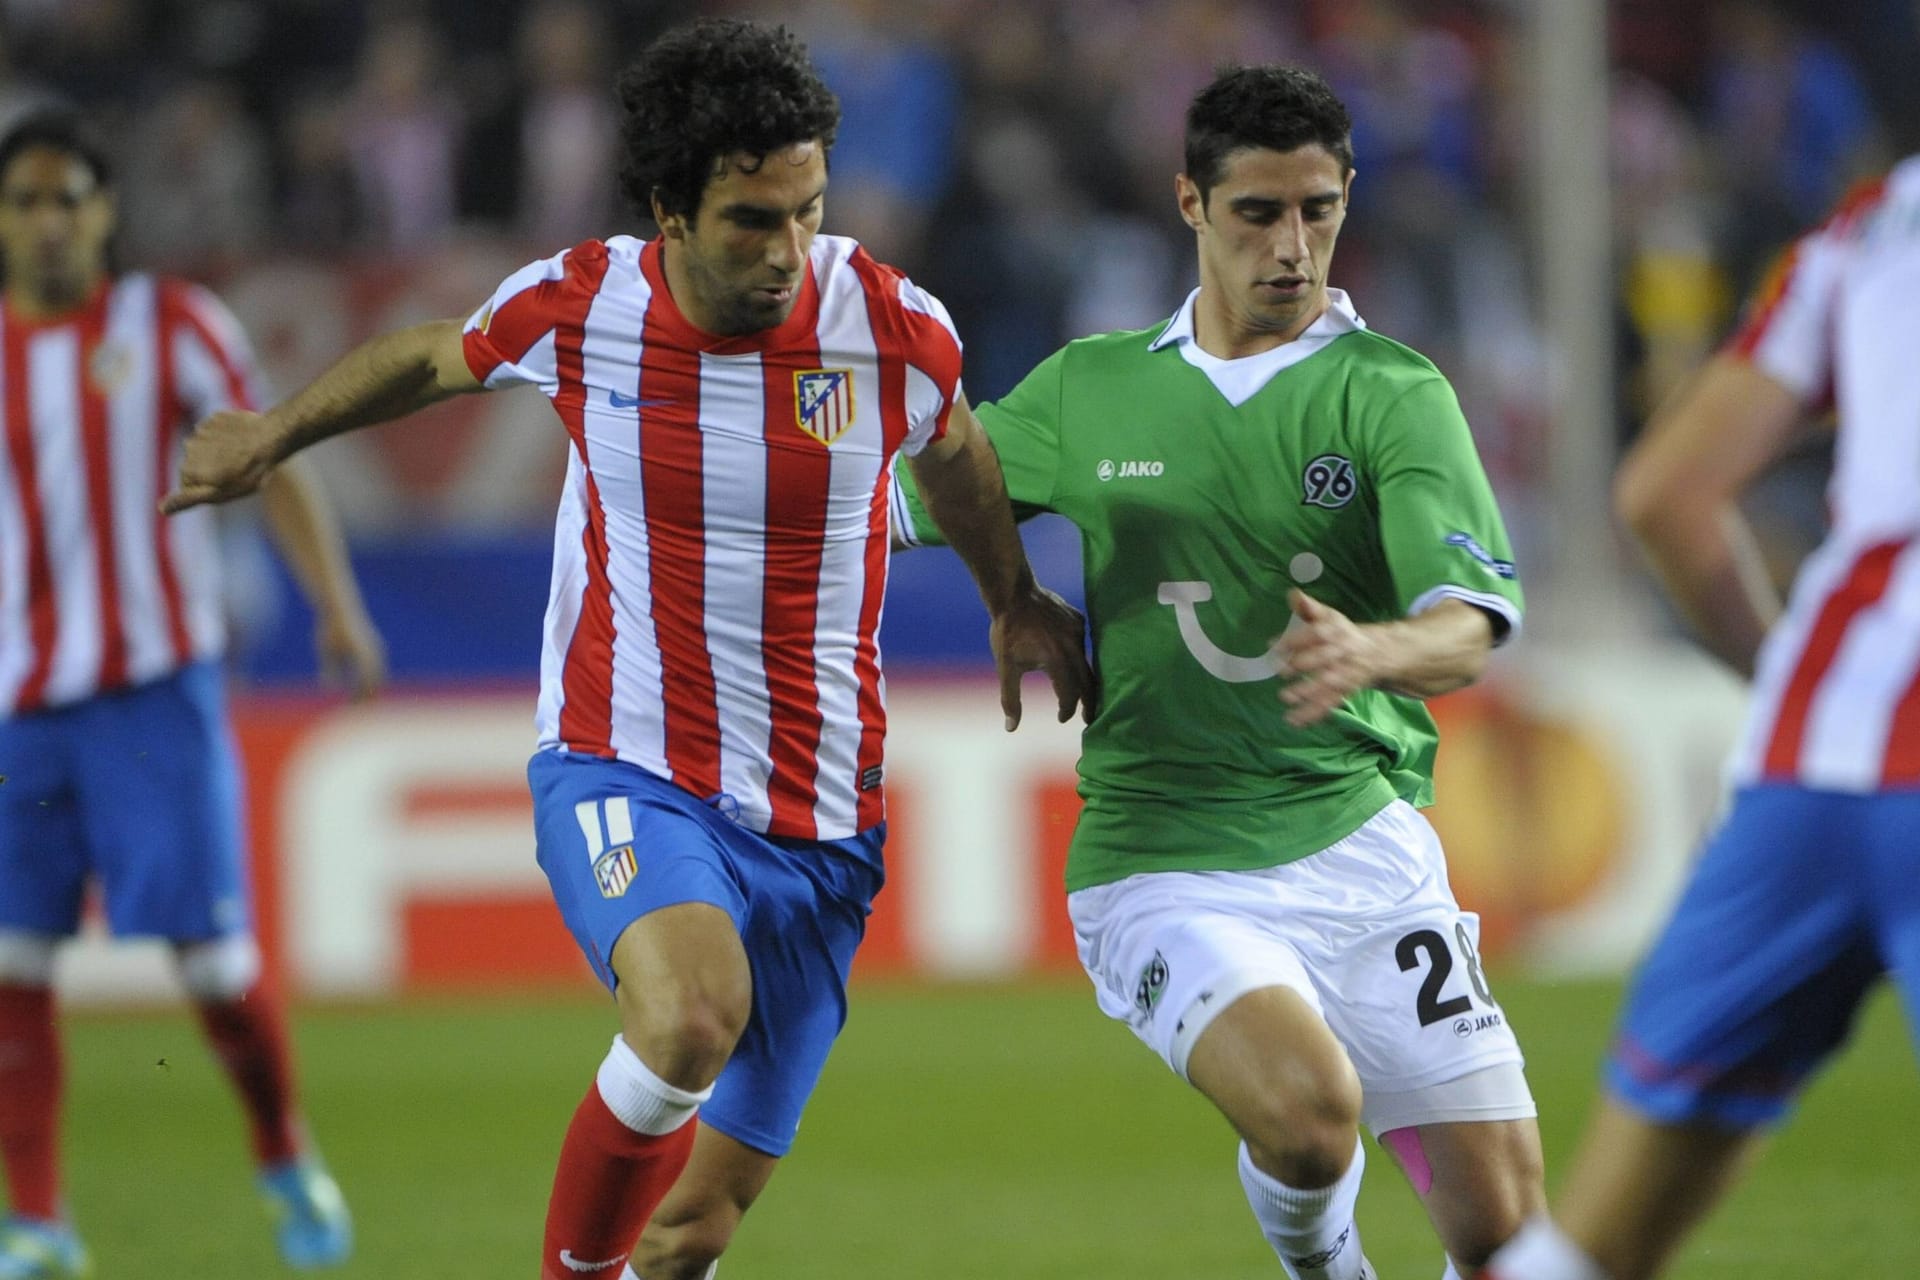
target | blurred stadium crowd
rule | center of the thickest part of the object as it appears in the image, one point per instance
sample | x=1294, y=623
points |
x=1016, y=158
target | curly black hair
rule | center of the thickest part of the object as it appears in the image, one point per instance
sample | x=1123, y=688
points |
x=717, y=88
x=62, y=130
x=1279, y=108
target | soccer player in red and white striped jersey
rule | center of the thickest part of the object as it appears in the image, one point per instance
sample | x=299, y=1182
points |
x=114, y=748
x=708, y=784
x=1809, y=893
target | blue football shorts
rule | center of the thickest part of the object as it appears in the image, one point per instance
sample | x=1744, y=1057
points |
x=139, y=790
x=618, y=842
x=1800, y=902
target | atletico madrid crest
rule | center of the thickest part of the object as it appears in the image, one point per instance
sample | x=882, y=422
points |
x=823, y=402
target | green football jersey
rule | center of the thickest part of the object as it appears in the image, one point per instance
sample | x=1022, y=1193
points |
x=1203, y=490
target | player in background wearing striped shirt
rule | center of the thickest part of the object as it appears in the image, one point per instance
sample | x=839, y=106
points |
x=116, y=762
x=707, y=791
x=1807, y=894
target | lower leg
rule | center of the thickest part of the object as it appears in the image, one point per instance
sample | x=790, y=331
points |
x=1637, y=1188
x=30, y=1088
x=1480, y=1182
x=246, y=1028
x=629, y=1140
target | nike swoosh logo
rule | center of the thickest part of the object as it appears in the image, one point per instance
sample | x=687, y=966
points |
x=572, y=1263
x=619, y=401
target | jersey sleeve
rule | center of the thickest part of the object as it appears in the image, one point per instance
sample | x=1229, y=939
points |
x=933, y=366
x=1787, y=330
x=1439, y=525
x=1025, y=430
x=511, y=341
x=213, y=363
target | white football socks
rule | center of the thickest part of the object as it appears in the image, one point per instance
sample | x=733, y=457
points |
x=641, y=1100
x=1540, y=1250
x=1313, y=1231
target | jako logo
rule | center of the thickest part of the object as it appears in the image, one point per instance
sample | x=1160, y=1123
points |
x=1108, y=469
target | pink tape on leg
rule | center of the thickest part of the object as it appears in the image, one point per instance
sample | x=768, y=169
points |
x=1407, y=1149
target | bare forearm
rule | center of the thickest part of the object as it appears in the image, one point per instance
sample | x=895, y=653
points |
x=1713, y=570
x=966, y=496
x=384, y=378
x=307, y=534
x=1435, y=652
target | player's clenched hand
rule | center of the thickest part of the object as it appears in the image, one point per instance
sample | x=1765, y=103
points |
x=1042, y=632
x=1328, y=655
x=226, y=457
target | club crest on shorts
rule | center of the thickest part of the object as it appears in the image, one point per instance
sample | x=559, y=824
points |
x=1152, y=985
x=613, y=871
x=823, y=402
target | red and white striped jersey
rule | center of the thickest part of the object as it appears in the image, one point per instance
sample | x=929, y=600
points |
x=1837, y=688
x=720, y=554
x=97, y=590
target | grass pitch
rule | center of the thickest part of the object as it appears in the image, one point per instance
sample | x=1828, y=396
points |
x=958, y=1135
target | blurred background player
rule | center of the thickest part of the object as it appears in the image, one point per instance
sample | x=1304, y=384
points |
x=1807, y=893
x=707, y=792
x=115, y=753
x=1253, y=890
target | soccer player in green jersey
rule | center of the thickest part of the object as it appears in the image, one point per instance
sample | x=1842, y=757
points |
x=1289, y=542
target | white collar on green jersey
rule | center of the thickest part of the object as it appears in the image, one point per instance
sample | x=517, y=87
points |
x=1239, y=380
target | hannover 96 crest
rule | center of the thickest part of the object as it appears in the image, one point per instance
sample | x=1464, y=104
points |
x=823, y=402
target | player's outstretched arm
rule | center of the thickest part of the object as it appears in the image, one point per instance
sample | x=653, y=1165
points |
x=384, y=378
x=1327, y=657
x=1679, y=491
x=306, y=533
x=960, y=484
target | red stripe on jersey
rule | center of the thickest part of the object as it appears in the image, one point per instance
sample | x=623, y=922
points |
x=1864, y=584
x=1902, y=765
x=167, y=422
x=42, y=620
x=882, y=286
x=238, y=394
x=96, y=449
x=799, y=481
x=671, y=484
x=586, y=677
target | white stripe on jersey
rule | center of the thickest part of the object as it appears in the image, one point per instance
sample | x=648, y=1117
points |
x=845, y=325
x=733, y=481
x=16, y=659
x=564, y=596
x=133, y=415
x=53, y=386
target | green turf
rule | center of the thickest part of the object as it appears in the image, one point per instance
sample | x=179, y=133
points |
x=969, y=1134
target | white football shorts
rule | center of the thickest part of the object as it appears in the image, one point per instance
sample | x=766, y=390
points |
x=1366, y=931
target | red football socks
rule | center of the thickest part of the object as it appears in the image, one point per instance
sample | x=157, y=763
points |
x=30, y=1081
x=249, y=1037
x=611, y=1179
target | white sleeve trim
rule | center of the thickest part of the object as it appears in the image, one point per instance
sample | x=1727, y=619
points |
x=903, y=534
x=1483, y=599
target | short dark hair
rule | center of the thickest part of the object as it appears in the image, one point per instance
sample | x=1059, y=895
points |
x=57, y=129
x=717, y=88
x=1275, y=107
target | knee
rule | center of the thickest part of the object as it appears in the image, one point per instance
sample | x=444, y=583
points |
x=684, y=1242
x=220, y=969
x=26, y=959
x=1304, y=1127
x=684, y=1035
x=1505, y=1193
